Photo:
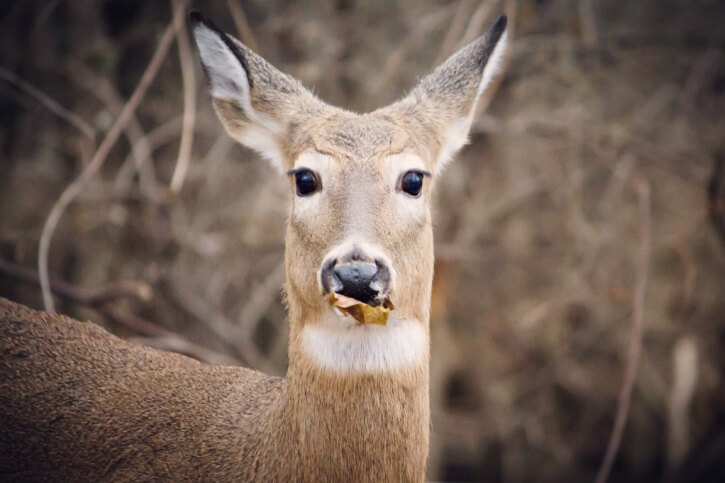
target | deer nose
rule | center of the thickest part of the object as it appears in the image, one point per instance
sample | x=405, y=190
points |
x=365, y=281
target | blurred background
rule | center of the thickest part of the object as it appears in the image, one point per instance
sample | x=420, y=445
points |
x=580, y=237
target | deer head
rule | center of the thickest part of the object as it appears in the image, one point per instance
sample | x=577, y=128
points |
x=360, y=216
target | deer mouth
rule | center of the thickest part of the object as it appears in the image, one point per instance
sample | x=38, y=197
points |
x=363, y=312
x=357, y=279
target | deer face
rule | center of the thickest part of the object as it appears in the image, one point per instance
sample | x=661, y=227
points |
x=361, y=210
x=360, y=221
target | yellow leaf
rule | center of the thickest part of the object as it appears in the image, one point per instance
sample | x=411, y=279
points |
x=363, y=313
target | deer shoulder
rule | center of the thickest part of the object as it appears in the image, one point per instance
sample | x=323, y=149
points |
x=82, y=404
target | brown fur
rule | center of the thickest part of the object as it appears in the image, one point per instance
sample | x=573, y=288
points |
x=80, y=404
x=77, y=403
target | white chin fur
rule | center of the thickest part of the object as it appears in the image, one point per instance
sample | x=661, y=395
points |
x=342, y=345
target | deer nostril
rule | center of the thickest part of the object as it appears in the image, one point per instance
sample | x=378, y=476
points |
x=328, y=279
x=360, y=281
x=335, y=283
x=383, y=274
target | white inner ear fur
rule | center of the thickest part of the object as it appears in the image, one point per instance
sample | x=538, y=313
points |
x=410, y=209
x=262, y=141
x=228, y=81
x=456, y=134
x=359, y=349
x=227, y=77
x=305, y=206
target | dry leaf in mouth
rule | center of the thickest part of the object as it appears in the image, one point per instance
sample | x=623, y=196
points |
x=363, y=313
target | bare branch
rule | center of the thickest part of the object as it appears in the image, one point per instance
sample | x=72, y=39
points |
x=60, y=111
x=635, y=340
x=685, y=375
x=242, y=24
x=222, y=327
x=476, y=22
x=100, y=300
x=455, y=31
x=263, y=296
x=716, y=196
x=395, y=60
x=97, y=161
x=189, y=83
x=45, y=13
x=183, y=346
x=91, y=297
x=157, y=137
x=588, y=23
x=141, y=150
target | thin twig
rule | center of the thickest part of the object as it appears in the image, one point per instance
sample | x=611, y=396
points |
x=454, y=32
x=60, y=111
x=716, y=196
x=392, y=65
x=588, y=23
x=221, y=326
x=482, y=219
x=476, y=22
x=156, y=336
x=141, y=151
x=395, y=60
x=183, y=346
x=189, y=85
x=685, y=355
x=157, y=137
x=44, y=14
x=100, y=300
x=242, y=24
x=91, y=297
x=97, y=161
x=260, y=300
x=635, y=340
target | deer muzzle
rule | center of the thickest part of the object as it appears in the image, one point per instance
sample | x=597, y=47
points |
x=356, y=275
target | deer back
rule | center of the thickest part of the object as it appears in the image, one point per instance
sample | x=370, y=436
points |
x=80, y=403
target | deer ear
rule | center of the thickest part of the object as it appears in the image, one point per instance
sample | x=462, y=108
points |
x=444, y=102
x=256, y=102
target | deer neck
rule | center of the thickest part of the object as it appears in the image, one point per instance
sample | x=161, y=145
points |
x=358, y=397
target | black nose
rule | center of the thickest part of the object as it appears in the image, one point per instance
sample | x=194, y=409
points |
x=364, y=281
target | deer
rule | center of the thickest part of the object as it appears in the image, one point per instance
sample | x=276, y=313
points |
x=79, y=404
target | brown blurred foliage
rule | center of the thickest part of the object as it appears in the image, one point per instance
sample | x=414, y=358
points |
x=540, y=221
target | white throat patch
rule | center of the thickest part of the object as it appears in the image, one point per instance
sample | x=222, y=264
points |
x=355, y=348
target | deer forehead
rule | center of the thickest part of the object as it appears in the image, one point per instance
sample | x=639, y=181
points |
x=357, y=146
x=359, y=137
x=378, y=170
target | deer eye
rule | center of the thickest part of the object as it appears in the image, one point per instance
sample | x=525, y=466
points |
x=306, y=181
x=412, y=183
